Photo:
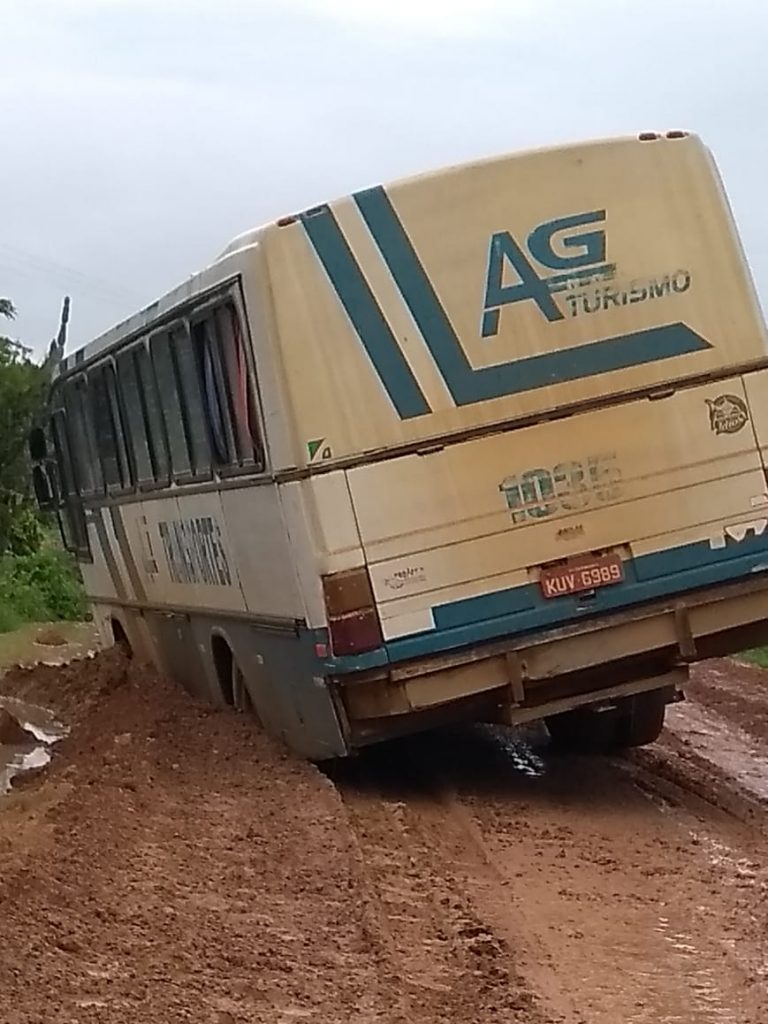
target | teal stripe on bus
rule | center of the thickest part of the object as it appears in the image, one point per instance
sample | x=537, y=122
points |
x=516, y=611
x=364, y=312
x=468, y=385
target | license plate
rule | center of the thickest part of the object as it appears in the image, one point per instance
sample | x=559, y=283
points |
x=586, y=574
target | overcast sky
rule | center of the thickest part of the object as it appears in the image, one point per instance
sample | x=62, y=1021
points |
x=139, y=136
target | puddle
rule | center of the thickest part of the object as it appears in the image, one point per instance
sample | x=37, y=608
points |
x=517, y=744
x=45, y=730
x=724, y=744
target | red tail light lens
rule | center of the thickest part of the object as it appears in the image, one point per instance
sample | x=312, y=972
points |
x=353, y=622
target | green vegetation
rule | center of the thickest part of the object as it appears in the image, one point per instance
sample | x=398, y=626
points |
x=38, y=581
x=39, y=587
x=758, y=656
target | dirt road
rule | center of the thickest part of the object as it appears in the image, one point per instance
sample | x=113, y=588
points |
x=170, y=864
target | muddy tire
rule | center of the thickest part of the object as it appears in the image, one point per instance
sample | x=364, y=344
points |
x=644, y=718
x=583, y=730
x=633, y=722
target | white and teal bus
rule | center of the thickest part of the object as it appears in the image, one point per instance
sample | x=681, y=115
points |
x=484, y=445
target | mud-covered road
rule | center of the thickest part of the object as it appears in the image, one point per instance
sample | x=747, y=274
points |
x=171, y=864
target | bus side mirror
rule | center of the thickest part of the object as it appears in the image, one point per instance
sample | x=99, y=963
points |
x=38, y=446
x=43, y=490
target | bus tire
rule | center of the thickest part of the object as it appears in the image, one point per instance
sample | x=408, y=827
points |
x=643, y=719
x=633, y=722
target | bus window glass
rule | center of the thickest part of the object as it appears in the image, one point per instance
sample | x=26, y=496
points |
x=165, y=374
x=245, y=419
x=192, y=404
x=108, y=428
x=158, y=445
x=215, y=392
x=87, y=473
x=229, y=403
x=130, y=389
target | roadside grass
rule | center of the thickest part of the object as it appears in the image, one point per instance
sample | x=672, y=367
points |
x=41, y=587
x=758, y=656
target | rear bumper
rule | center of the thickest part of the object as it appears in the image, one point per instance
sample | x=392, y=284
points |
x=524, y=678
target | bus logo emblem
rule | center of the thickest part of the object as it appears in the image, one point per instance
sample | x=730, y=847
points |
x=727, y=414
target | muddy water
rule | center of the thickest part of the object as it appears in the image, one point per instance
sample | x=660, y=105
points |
x=55, y=644
x=45, y=730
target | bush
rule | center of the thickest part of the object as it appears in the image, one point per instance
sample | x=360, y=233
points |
x=9, y=620
x=25, y=531
x=40, y=587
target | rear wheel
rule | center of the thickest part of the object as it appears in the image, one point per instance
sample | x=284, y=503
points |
x=632, y=722
x=644, y=719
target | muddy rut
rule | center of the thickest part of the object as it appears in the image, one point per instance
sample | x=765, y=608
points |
x=171, y=864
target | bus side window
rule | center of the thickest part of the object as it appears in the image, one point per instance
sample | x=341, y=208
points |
x=87, y=471
x=69, y=509
x=217, y=412
x=167, y=387
x=229, y=399
x=142, y=409
x=158, y=442
x=130, y=389
x=107, y=421
x=192, y=400
x=242, y=391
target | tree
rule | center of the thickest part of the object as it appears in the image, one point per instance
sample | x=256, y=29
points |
x=22, y=394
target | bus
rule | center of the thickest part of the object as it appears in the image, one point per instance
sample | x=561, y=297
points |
x=483, y=445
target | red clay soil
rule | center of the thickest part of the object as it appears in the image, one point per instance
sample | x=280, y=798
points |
x=174, y=865
x=736, y=690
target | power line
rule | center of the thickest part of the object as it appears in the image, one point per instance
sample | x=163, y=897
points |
x=31, y=264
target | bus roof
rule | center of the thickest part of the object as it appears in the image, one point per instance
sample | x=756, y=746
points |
x=215, y=274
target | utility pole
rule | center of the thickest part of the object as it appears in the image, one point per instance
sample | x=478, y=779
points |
x=56, y=351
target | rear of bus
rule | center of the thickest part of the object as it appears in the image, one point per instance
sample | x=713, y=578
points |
x=530, y=408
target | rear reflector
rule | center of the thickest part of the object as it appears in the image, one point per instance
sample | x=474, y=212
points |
x=353, y=622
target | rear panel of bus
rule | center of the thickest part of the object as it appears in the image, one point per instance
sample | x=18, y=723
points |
x=539, y=380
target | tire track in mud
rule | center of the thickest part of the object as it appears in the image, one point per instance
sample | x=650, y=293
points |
x=611, y=892
x=443, y=953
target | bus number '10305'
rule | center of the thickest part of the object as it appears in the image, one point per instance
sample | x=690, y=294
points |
x=566, y=487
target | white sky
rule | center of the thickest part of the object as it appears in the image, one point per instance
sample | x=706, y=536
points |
x=139, y=136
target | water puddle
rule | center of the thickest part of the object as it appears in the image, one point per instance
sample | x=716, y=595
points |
x=518, y=745
x=33, y=751
x=724, y=744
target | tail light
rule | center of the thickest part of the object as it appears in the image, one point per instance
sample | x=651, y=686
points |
x=353, y=622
